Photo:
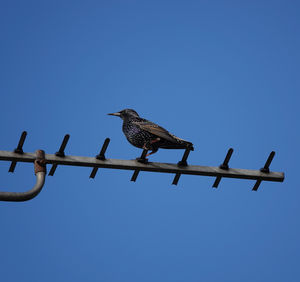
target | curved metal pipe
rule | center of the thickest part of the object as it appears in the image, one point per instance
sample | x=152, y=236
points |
x=40, y=172
x=28, y=195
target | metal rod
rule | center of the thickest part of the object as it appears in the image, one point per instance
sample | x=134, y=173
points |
x=256, y=185
x=18, y=150
x=151, y=166
x=101, y=157
x=225, y=166
x=40, y=172
x=12, y=167
x=217, y=182
x=25, y=196
x=60, y=153
x=176, y=178
x=94, y=172
x=182, y=163
x=265, y=169
x=135, y=175
x=52, y=170
x=268, y=162
x=142, y=160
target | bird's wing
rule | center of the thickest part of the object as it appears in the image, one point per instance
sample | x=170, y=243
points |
x=156, y=130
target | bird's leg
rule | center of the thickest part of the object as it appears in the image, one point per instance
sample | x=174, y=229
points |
x=147, y=146
x=154, y=140
x=154, y=151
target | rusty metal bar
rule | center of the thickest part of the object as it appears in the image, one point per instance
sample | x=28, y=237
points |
x=40, y=172
x=265, y=169
x=60, y=153
x=150, y=166
x=182, y=163
x=224, y=166
x=101, y=156
x=18, y=150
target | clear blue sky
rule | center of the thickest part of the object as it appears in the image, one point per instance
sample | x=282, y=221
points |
x=218, y=73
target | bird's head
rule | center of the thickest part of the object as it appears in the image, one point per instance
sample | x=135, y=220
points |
x=124, y=114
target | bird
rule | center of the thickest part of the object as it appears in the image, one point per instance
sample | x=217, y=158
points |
x=147, y=135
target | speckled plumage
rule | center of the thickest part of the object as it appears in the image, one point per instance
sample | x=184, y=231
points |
x=145, y=134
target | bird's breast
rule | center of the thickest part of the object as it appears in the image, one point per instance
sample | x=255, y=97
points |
x=135, y=135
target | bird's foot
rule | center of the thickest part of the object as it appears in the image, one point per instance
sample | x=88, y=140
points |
x=142, y=160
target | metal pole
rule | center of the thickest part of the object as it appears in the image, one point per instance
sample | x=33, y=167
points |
x=40, y=172
x=151, y=166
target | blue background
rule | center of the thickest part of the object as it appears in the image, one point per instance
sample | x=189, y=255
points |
x=218, y=73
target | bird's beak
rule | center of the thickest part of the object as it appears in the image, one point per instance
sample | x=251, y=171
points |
x=115, y=114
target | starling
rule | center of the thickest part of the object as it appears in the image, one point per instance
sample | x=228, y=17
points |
x=147, y=135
